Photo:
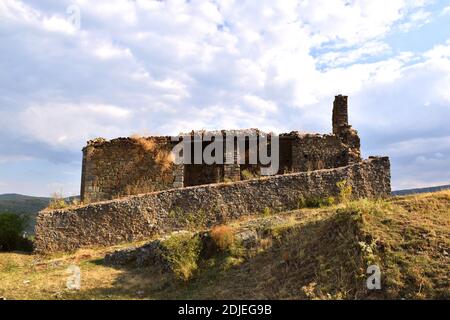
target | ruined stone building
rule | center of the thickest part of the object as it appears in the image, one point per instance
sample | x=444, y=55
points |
x=168, y=195
x=126, y=166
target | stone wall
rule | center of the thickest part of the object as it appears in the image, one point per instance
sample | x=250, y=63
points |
x=129, y=166
x=139, y=217
x=340, y=113
x=317, y=151
x=125, y=166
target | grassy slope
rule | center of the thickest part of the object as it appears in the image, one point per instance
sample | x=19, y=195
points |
x=320, y=253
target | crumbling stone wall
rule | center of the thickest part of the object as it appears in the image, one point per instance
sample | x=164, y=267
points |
x=139, y=217
x=125, y=166
x=316, y=151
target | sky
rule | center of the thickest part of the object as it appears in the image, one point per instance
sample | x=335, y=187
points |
x=71, y=71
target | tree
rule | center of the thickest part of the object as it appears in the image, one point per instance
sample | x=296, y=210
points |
x=12, y=227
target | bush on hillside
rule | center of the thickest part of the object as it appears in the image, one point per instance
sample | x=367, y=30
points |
x=182, y=251
x=223, y=237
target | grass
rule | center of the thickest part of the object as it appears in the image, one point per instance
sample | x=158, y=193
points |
x=57, y=202
x=164, y=158
x=316, y=202
x=222, y=236
x=313, y=253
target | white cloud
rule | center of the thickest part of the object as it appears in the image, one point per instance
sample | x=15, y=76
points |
x=58, y=24
x=108, y=51
x=259, y=104
x=121, y=12
x=353, y=22
x=445, y=11
x=336, y=58
x=65, y=125
x=171, y=66
x=438, y=52
x=16, y=11
x=416, y=20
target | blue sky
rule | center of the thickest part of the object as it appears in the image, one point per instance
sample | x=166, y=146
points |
x=163, y=67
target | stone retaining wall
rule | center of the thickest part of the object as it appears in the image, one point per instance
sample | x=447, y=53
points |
x=139, y=217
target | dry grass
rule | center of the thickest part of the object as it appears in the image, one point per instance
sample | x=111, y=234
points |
x=146, y=144
x=57, y=202
x=317, y=253
x=164, y=159
x=222, y=236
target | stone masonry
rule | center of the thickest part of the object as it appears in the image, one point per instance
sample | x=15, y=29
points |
x=139, y=217
x=132, y=189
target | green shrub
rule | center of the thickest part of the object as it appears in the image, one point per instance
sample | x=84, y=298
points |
x=345, y=191
x=182, y=251
x=12, y=227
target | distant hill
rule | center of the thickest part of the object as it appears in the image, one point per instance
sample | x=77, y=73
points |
x=419, y=190
x=18, y=203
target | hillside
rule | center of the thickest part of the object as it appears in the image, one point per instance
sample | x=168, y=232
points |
x=18, y=203
x=21, y=204
x=311, y=253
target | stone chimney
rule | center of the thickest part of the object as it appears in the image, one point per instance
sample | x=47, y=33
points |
x=340, y=113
